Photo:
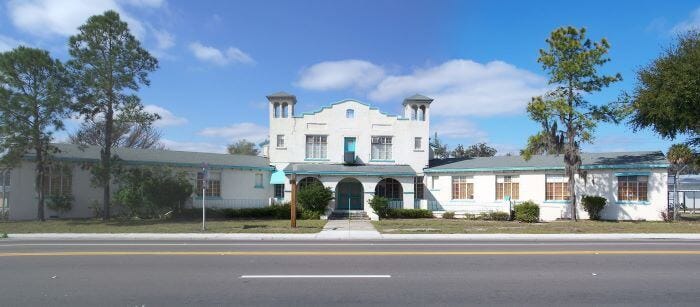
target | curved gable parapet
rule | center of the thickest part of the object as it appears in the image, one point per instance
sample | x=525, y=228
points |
x=328, y=107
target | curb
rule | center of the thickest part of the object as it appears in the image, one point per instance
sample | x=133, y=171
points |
x=351, y=236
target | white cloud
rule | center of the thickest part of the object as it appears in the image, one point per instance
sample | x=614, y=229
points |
x=193, y=146
x=164, y=39
x=457, y=129
x=218, y=57
x=167, y=118
x=464, y=87
x=50, y=17
x=8, y=43
x=692, y=23
x=249, y=131
x=335, y=75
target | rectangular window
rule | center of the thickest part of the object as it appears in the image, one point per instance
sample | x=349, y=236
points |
x=507, y=186
x=349, y=113
x=433, y=182
x=213, y=184
x=316, y=147
x=462, y=187
x=381, y=148
x=556, y=187
x=418, y=187
x=632, y=188
x=279, y=191
x=280, y=141
x=58, y=180
x=258, y=180
x=417, y=143
x=4, y=189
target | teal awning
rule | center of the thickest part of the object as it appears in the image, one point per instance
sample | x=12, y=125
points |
x=278, y=177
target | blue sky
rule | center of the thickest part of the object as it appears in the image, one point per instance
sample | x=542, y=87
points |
x=218, y=59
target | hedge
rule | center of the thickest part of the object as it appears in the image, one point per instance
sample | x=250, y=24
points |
x=409, y=214
x=275, y=212
x=593, y=205
x=528, y=212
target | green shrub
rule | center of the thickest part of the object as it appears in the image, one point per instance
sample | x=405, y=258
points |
x=149, y=192
x=528, y=212
x=3, y=236
x=279, y=212
x=380, y=205
x=409, y=213
x=593, y=205
x=448, y=215
x=314, y=198
x=60, y=202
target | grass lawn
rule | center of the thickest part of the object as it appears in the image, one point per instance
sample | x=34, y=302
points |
x=584, y=226
x=159, y=226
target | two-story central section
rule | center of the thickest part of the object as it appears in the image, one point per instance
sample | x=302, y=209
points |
x=356, y=150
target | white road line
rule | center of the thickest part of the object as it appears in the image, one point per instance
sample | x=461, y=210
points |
x=354, y=244
x=313, y=276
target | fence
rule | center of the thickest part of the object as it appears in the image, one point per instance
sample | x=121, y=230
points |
x=237, y=203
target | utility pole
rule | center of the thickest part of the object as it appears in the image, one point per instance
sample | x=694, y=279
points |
x=293, y=206
x=205, y=182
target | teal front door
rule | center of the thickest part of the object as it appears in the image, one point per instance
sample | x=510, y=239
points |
x=349, y=144
x=349, y=195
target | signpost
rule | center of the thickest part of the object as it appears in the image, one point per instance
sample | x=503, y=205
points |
x=205, y=182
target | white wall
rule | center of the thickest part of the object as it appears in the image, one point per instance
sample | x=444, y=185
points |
x=532, y=187
x=367, y=122
x=235, y=184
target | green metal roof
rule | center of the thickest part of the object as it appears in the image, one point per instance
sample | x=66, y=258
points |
x=605, y=160
x=418, y=98
x=349, y=170
x=72, y=152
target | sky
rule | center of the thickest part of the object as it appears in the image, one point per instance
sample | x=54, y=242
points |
x=477, y=59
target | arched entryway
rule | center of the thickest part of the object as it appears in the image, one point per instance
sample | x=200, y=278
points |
x=389, y=188
x=349, y=195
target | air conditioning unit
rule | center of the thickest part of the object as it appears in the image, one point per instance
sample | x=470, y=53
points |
x=349, y=157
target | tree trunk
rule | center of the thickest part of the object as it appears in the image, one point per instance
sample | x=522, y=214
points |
x=40, y=169
x=572, y=190
x=107, y=163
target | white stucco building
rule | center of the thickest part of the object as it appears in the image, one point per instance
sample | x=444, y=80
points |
x=359, y=152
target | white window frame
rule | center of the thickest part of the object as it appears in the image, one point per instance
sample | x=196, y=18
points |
x=214, y=187
x=276, y=188
x=316, y=147
x=503, y=179
x=381, y=148
x=258, y=180
x=350, y=113
x=467, y=181
x=557, y=178
x=280, y=141
x=417, y=143
x=433, y=180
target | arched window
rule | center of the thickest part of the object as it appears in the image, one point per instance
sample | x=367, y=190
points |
x=421, y=113
x=285, y=110
x=414, y=112
x=349, y=113
x=307, y=181
x=389, y=188
x=276, y=110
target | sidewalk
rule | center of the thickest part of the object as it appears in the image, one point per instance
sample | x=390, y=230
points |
x=345, y=234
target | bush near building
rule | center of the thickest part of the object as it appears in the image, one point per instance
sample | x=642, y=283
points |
x=594, y=206
x=409, y=214
x=150, y=192
x=380, y=205
x=313, y=199
x=528, y=212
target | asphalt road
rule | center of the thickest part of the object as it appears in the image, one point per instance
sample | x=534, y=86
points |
x=160, y=273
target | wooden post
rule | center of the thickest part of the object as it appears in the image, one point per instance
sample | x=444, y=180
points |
x=293, y=181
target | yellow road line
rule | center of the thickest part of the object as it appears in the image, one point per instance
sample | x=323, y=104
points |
x=352, y=253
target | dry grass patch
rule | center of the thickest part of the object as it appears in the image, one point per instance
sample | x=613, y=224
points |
x=159, y=226
x=471, y=226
